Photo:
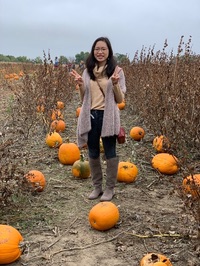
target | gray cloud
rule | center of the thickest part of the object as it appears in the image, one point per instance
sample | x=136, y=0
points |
x=69, y=27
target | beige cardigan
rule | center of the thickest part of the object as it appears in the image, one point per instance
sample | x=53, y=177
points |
x=111, y=119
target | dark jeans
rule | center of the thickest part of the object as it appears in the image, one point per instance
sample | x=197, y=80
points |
x=109, y=143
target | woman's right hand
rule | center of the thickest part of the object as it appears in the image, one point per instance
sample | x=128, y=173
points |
x=78, y=78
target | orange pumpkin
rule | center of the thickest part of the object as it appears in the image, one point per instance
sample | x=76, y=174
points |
x=161, y=143
x=16, y=77
x=121, y=105
x=37, y=179
x=53, y=139
x=165, y=163
x=58, y=125
x=11, y=76
x=81, y=168
x=21, y=73
x=11, y=245
x=78, y=110
x=56, y=114
x=191, y=185
x=104, y=216
x=40, y=104
x=60, y=105
x=68, y=153
x=127, y=172
x=40, y=108
x=137, y=133
x=151, y=259
x=7, y=76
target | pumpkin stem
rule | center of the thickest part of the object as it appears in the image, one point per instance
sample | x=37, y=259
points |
x=82, y=159
x=154, y=258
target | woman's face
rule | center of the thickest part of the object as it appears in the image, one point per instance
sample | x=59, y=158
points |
x=101, y=52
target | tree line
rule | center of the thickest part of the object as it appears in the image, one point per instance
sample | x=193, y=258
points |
x=81, y=57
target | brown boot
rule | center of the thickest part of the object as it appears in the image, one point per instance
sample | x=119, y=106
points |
x=96, y=173
x=111, y=171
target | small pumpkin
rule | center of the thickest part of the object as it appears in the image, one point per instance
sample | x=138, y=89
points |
x=21, y=73
x=11, y=75
x=40, y=108
x=191, y=185
x=68, y=153
x=78, y=110
x=16, y=77
x=104, y=216
x=161, y=143
x=56, y=114
x=81, y=168
x=7, y=76
x=41, y=105
x=121, y=105
x=151, y=259
x=165, y=163
x=37, y=180
x=58, y=125
x=60, y=105
x=127, y=172
x=11, y=245
x=137, y=133
x=53, y=139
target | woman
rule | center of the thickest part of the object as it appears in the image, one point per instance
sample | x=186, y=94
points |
x=102, y=86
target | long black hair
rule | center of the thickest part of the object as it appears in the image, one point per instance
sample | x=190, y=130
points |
x=91, y=61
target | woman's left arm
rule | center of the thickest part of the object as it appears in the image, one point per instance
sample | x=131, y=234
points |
x=119, y=88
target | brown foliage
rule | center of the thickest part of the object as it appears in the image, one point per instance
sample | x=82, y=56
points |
x=163, y=91
x=39, y=90
x=41, y=85
x=12, y=181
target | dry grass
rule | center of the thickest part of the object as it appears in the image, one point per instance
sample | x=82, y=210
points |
x=164, y=92
x=40, y=85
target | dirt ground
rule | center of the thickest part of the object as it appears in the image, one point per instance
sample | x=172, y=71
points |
x=54, y=223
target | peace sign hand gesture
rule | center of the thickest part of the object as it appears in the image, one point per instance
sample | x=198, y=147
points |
x=78, y=79
x=115, y=76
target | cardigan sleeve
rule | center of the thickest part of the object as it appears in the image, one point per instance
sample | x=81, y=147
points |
x=81, y=91
x=82, y=87
x=119, y=95
x=120, y=88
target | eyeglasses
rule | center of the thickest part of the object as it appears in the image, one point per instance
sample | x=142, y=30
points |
x=100, y=50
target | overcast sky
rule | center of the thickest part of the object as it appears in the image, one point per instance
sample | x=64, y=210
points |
x=67, y=27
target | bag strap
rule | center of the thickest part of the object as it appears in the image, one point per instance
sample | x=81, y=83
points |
x=117, y=69
x=101, y=89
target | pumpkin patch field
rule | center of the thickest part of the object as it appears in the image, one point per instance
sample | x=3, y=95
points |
x=151, y=212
